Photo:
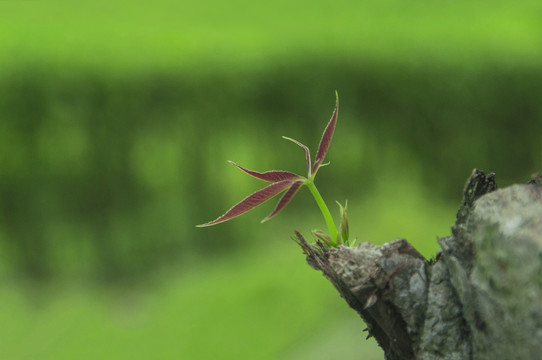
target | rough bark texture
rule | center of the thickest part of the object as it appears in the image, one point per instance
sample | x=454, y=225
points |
x=480, y=299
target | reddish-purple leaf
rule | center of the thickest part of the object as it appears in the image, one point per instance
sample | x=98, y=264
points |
x=270, y=176
x=307, y=154
x=326, y=138
x=252, y=201
x=285, y=199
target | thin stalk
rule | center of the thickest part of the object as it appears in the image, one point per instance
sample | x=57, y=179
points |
x=325, y=211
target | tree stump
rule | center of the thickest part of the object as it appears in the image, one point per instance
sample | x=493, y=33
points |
x=481, y=298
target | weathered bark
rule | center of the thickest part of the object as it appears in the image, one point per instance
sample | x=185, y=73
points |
x=480, y=299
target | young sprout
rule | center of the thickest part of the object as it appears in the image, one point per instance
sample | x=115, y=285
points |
x=291, y=183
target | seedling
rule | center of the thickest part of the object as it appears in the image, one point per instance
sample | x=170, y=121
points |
x=290, y=182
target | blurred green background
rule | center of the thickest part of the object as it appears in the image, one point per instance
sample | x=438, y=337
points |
x=116, y=121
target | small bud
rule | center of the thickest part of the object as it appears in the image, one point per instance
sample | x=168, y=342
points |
x=371, y=300
x=353, y=242
x=323, y=237
x=344, y=229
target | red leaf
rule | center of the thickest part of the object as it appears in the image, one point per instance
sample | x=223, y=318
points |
x=270, y=176
x=326, y=138
x=307, y=154
x=285, y=199
x=252, y=201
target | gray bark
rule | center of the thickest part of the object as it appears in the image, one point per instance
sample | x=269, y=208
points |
x=480, y=299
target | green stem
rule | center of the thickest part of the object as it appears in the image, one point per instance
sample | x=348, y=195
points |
x=325, y=211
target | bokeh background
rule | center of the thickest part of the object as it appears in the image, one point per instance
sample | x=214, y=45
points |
x=116, y=121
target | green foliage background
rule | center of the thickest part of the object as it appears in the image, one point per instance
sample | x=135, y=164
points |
x=116, y=121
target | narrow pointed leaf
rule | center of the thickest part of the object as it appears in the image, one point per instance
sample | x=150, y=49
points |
x=307, y=154
x=326, y=138
x=285, y=199
x=270, y=176
x=251, y=201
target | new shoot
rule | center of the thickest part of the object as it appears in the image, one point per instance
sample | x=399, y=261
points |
x=290, y=183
